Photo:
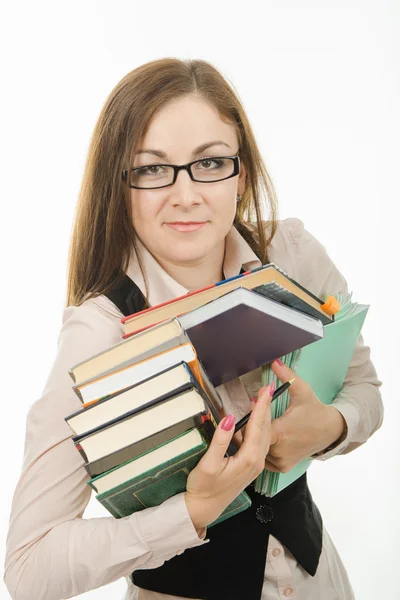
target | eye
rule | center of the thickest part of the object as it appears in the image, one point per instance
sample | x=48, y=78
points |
x=210, y=163
x=149, y=170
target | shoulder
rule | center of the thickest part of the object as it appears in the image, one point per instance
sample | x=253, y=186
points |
x=289, y=235
x=96, y=319
x=292, y=236
x=304, y=257
x=285, y=241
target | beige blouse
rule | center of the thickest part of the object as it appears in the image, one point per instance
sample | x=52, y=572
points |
x=52, y=551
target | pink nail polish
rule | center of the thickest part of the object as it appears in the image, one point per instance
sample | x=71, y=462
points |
x=228, y=423
x=278, y=360
x=254, y=399
x=272, y=389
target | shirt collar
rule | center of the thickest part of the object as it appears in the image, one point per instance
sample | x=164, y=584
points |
x=162, y=287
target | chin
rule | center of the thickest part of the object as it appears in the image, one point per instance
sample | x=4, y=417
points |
x=186, y=255
x=187, y=251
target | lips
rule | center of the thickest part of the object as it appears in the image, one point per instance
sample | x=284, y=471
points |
x=186, y=226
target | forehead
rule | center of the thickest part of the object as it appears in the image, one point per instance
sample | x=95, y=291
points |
x=184, y=124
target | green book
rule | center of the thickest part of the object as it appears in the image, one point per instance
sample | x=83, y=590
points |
x=323, y=364
x=154, y=476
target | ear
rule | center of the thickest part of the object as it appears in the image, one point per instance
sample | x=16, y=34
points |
x=242, y=179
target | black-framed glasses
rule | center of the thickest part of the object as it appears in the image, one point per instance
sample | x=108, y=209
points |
x=205, y=170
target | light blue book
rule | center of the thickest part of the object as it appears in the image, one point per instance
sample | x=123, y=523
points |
x=323, y=364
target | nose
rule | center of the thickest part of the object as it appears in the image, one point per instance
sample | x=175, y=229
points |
x=184, y=192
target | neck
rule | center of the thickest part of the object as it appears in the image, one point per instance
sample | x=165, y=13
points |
x=199, y=274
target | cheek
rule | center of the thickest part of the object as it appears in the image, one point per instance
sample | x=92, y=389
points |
x=223, y=200
x=144, y=212
x=225, y=208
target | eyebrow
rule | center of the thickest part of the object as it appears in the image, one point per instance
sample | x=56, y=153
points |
x=195, y=152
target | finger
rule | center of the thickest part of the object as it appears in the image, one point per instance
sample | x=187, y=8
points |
x=258, y=429
x=285, y=373
x=282, y=371
x=220, y=441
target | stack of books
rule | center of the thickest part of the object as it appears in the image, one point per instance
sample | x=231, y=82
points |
x=149, y=403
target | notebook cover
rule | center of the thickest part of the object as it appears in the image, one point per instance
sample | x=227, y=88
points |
x=242, y=339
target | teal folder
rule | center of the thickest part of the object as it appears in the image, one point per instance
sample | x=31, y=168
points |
x=323, y=364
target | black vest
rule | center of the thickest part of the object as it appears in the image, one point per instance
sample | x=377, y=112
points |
x=231, y=565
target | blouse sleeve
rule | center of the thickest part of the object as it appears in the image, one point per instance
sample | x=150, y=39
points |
x=52, y=551
x=359, y=400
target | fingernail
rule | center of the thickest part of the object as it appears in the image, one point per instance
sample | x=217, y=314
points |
x=272, y=389
x=278, y=360
x=228, y=422
x=254, y=399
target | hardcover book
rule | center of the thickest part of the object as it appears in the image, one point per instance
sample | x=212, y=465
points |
x=155, y=389
x=249, y=280
x=142, y=429
x=243, y=330
x=153, y=340
x=129, y=374
x=153, y=477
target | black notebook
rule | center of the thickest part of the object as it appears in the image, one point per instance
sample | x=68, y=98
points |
x=242, y=330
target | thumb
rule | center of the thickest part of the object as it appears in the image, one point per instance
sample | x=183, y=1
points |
x=284, y=374
x=220, y=441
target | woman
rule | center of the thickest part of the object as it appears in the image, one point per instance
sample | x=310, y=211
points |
x=172, y=231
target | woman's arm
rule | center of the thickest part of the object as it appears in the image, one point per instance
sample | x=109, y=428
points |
x=52, y=552
x=360, y=400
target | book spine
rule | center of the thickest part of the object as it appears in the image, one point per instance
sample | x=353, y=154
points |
x=151, y=308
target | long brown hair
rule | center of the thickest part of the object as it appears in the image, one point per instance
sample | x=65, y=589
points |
x=103, y=231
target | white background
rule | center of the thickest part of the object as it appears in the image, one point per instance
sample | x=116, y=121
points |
x=320, y=83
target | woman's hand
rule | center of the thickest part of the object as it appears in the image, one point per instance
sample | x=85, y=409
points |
x=217, y=480
x=306, y=427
